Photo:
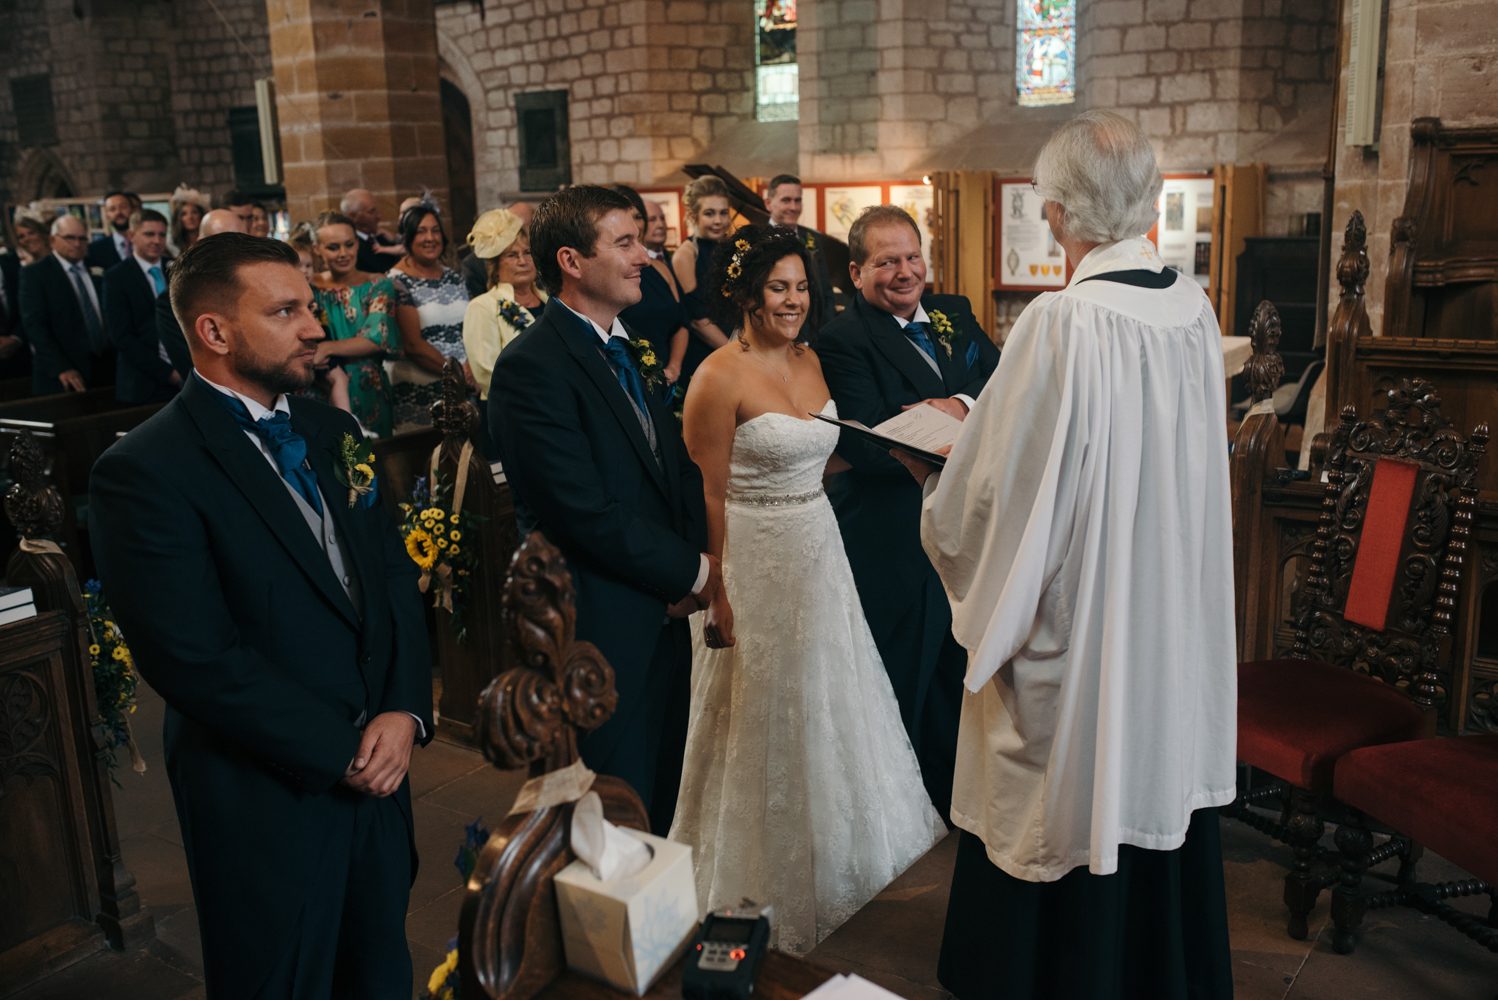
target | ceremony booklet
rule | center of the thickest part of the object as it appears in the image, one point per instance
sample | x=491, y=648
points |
x=919, y=431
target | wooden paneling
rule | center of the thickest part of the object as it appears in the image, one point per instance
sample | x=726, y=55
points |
x=963, y=239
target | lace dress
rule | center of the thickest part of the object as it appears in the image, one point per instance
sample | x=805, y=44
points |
x=800, y=787
x=440, y=304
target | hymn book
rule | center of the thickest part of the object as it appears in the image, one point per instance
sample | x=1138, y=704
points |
x=921, y=431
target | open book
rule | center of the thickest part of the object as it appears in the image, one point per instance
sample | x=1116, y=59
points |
x=920, y=431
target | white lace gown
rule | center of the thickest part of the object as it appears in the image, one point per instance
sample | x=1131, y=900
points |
x=800, y=788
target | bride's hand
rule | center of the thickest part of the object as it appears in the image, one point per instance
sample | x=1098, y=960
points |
x=717, y=627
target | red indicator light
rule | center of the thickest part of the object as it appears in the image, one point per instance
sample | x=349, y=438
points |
x=699, y=947
x=737, y=954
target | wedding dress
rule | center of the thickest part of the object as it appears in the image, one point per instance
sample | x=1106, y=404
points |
x=800, y=788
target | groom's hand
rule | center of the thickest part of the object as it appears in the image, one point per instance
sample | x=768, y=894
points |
x=952, y=407
x=384, y=755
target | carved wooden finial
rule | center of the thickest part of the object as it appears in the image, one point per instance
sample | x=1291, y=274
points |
x=34, y=507
x=1352, y=269
x=1265, y=368
x=453, y=413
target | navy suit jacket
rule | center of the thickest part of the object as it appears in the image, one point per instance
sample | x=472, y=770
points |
x=103, y=254
x=872, y=370
x=54, y=327
x=17, y=365
x=234, y=615
x=169, y=333
x=581, y=470
x=130, y=320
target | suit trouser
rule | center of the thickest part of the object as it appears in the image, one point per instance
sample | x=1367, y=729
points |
x=350, y=938
x=926, y=666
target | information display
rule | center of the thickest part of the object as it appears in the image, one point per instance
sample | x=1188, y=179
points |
x=1028, y=254
x=1183, y=234
x=919, y=200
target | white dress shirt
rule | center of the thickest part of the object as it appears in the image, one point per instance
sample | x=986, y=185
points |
x=122, y=246
x=921, y=317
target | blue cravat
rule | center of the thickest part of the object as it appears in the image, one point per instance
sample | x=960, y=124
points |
x=287, y=448
x=157, y=279
x=629, y=377
x=917, y=334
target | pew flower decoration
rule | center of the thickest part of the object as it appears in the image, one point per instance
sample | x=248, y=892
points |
x=942, y=327
x=647, y=362
x=354, y=470
x=444, y=545
x=444, y=981
x=114, y=679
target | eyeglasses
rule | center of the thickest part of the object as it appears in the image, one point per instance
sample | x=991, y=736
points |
x=1035, y=188
x=73, y=239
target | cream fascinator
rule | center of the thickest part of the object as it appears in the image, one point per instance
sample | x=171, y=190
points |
x=185, y=194
x=493, y=233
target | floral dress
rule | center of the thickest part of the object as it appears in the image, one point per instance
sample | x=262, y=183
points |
x=367, y=311
x=440, y=304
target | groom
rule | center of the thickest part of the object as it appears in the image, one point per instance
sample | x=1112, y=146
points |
x=597, y=464
x=893, y=348
x=283, y=626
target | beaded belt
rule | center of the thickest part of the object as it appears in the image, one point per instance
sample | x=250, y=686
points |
x=792, y=500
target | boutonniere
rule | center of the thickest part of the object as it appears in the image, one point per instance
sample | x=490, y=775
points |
x=811, y=243
x=512, y=314
x=942, y=327
x=646, y=362
x=354, y=473
x=97, y=272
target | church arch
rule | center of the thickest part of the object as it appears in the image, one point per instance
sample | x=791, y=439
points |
x=42, y=174
x=454, y=67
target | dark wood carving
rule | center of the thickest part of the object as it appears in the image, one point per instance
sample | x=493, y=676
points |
x=1258, y=448
x=509, y=938
x=1350, y=321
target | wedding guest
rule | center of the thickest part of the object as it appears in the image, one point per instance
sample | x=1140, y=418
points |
x=116, y=247
x=259, y=220
x=635, y=201
x=33, y=237
x=363, y=209
x=188, y=207
x=475, y=269
x=283, y=627
x=599, y=466
x=360, y=311
x=62, y=315
x=656, y=232
x=513, y=300
x=143, y=369
x=1083, y=530
x=220, y=220
x=15, y=355
x=430, y=300
x=783, y=200
x=661, y=315
x=706, y=202
x=894, y=347
x=243, y=206
x=331, y=383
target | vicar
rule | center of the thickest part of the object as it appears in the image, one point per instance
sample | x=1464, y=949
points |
x=1083, y=529
x=598, y=465
x=274, y=608
x=893, y=348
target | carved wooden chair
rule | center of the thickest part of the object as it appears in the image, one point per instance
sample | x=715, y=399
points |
x=1373, y=634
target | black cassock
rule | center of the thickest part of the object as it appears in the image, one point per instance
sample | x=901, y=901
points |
x=234, y=615
x=872, y=370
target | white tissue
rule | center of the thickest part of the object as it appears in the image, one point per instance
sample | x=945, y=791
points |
x=609, y=852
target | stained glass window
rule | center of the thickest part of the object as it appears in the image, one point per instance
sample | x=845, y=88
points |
x=777, y=78
x=1045, y=63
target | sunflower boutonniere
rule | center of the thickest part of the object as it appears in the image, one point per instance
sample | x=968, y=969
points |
x=942, y=327
x=647, y=362
x=811, y=243
x=354, y=470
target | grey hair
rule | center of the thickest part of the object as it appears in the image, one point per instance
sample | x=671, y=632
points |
x=63, y=217
x=1102, y=170
x=352, y=200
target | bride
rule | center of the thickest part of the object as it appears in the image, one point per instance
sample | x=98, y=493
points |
x=800, y=787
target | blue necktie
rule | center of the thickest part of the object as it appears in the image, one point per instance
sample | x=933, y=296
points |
x=157, y=279
x=917, y=334
x=97, y=341
x=629, y=377
x=287, y=448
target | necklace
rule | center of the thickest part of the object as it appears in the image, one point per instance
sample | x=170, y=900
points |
x=783, y=376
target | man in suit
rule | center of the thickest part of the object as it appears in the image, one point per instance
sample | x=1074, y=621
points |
x=600, y=468
x=783, y=202
x=168, y=333
x=280, y=619
x=378, y=253
x=60, y=311
x=15, y=356
x=896, y=347
x=143, y=370
x=116, y=247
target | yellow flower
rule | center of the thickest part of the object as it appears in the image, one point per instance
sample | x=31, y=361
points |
x=441, y=543
x=441, y=972
x=93, y=650
x=426, y=515
x=421, y=549
x=648, y=359
x=456, y=535
x=741, y=245
x=453, y=550
x=439, y=514
x=119, y=652
x=370, y=458
x=438, y=529
x=365, y=472
x=454, y=519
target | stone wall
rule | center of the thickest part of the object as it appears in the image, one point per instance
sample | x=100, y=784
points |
x=211, y=73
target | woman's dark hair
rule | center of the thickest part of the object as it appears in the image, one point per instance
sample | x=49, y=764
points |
x=569, y=219
x=632, y=195
x=741, y=269
x=411, y=220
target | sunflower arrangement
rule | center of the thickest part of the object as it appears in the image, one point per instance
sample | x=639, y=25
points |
x=444, y=545
x=114, y=674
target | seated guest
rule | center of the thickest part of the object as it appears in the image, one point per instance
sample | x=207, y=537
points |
x=220, y=220
x=106, y=253
x=656, y=232
x=188, y=208
x=475, y=269
x=15, y=356
x=377, y=252
x=660, y=316
x=783, y=202
x=360, y=310
x=144, y=372
x=430, y=300
x=283, y=628
x=60, y=310
x=708, y=213
x=1082, y=527
x=513, y=300
x=33, y=236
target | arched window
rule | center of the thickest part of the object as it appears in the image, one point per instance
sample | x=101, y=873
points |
x=1045, y=65
x=777, y=81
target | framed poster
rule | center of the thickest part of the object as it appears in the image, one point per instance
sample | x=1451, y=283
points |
x=919, y=201
x=670, y=201
x=810, y=208
x=1183, y=233
x=844, y=204
x=1028, y=256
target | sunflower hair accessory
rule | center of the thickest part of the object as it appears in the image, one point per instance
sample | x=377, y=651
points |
x=735, y=266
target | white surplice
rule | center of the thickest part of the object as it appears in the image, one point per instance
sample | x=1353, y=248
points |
x=1083, y=531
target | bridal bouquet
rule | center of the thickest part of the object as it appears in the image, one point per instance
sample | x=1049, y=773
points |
x=444, y=544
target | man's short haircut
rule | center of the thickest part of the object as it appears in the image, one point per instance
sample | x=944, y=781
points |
x=144, y=215
x=570, y=219
x=120, y=194
x=780, y=179
x=1102, y=170
x=238, y=199
x=352, y=201
x=63, y=217
x=872, y=218
x=206, y=277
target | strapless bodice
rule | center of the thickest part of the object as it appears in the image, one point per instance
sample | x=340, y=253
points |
x=776, y=455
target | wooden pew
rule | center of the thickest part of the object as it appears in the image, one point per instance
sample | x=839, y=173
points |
x=1258, y=450
x=15, y=388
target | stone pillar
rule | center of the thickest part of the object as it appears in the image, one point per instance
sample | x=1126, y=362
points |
x=358, y=101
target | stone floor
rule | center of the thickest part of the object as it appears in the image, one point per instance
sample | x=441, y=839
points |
x=892, y=941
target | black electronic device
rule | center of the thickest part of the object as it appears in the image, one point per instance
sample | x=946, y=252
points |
x=726, y=954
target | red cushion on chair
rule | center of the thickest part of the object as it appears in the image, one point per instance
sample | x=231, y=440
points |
x=1296, y=717
x=1377, y=561
x=1441, y=792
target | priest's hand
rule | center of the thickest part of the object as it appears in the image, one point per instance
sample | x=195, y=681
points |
x=920, y=470
x=953, y=407
x=384, y=755
x=717, y=628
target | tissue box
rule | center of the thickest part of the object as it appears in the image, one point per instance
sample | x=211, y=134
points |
x=627, y=932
